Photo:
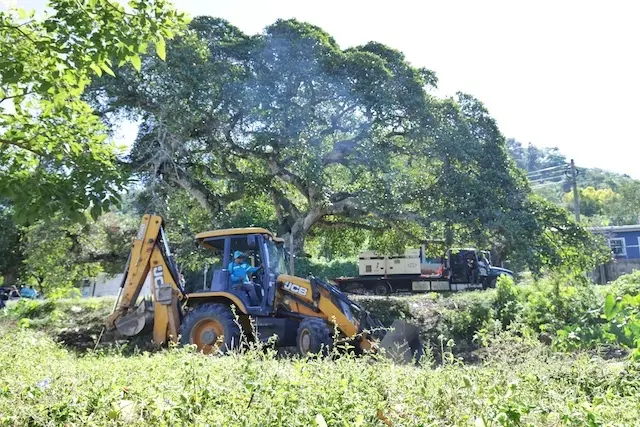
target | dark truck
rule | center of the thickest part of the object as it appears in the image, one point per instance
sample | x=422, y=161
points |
x=460, y=269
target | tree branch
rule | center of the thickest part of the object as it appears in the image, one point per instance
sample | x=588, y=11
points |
x=23, y=147
x=341, y=149
x=288, y=177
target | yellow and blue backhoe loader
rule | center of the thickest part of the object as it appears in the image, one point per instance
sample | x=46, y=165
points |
x=303, y=313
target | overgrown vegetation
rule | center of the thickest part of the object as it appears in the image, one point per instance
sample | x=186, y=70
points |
x=566, y=312
x=518, y=344
x=179, y=387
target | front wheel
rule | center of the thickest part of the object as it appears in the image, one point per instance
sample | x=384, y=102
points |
x=212, y=328
x=314, y=337
x=492, y=282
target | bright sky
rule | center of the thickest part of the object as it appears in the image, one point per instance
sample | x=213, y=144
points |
x=554, y=73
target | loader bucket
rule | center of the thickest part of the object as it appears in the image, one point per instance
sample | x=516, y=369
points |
x=135, y=322
x=402, y=343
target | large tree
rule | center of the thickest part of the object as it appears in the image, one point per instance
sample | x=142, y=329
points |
x=336, y=139
x=54, y=151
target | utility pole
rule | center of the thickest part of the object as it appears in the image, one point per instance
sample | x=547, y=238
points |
x=576, y=196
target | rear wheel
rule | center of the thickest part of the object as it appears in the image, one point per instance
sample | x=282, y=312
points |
x=354, y=288
x=382, y=289
x=212, y=328
x=314, y=337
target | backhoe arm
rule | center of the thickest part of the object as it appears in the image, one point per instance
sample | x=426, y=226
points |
x=149, y=254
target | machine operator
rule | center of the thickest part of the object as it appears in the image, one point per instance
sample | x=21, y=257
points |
x=239, y=271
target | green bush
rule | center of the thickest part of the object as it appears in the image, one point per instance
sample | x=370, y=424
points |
x=30, y=309
x=326, y=270
x=386, y=309
x=506, y=304
x=627, y=284
x=85, y=313
x=558, y=301
x=465, y=314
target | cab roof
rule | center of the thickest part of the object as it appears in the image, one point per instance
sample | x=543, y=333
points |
x=232, y=232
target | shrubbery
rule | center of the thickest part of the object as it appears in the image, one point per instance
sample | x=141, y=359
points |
x=326, y=270
x=47, y=385
x=521, y=382
x=565, y=311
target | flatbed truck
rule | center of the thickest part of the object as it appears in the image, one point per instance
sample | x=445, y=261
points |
x=459, y=269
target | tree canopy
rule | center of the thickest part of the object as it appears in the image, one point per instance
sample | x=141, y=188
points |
x=54, y=151
x=323, y=139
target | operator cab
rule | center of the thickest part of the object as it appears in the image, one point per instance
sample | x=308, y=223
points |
x=260, y=247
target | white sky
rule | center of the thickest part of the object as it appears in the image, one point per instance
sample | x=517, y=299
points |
x=554, y=73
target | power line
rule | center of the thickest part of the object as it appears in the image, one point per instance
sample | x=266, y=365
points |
x=563, y=166
x=550, y=173
x=548, y=178
x=545, y=185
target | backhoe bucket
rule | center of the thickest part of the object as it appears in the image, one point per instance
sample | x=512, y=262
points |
x=402, y=343
x=135, y=322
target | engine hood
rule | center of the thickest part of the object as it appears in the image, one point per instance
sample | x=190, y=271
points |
x=496, y=271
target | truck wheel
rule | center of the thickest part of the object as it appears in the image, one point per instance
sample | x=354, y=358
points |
x=354, y=288
x=314, y=337
x=492, y=282
x=212, y=328
x=382, y=289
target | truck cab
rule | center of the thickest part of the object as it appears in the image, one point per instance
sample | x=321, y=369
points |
x=473, y=268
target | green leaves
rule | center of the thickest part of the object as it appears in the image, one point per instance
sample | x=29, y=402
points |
x=161, y=48
x=53, y=149
x=136, y=62
x=107, y=69
x=610, y=307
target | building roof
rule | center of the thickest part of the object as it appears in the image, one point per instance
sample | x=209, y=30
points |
x=615, y=228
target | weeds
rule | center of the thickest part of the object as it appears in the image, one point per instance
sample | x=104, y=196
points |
x=177, y=386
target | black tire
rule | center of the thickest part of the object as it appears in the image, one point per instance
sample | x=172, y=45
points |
x=382, y=289
x=492, y=282
x=212, y=328
x=314, y=337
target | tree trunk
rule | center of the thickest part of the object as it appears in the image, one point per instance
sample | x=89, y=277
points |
x=9, y=278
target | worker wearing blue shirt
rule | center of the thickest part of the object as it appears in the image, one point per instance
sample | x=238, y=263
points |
x=239, y=271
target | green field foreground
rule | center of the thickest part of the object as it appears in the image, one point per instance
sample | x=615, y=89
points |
x=45, y=384
x=545, y=354
x=51, y=377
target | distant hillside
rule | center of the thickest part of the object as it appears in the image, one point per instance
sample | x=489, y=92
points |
x=607, y=198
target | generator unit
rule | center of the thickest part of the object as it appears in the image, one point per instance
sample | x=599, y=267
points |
x=373, y=264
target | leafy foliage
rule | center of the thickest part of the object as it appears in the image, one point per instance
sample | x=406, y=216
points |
x=51, y=143
x=11, y=255
x=258, y=388
x=59, y=254
x=339, y=146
